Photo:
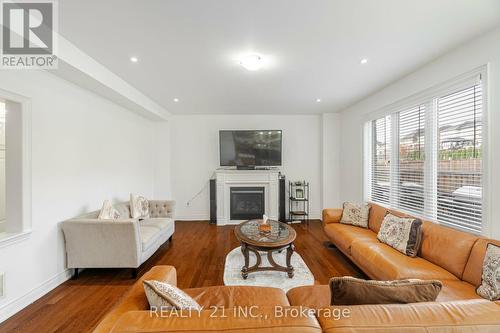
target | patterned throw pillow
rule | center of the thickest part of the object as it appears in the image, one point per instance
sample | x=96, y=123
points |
x=352, y=291
x=167, y=296
x=490, y=281
x=355, y=214
x=402, y=233
x=139, y=207
x=108, y=212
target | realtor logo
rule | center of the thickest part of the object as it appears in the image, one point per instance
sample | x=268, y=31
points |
x=28, y=34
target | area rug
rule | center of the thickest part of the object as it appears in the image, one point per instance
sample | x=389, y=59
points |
x=234, y=262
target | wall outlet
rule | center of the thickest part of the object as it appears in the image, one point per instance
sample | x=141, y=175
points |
x=2, y=284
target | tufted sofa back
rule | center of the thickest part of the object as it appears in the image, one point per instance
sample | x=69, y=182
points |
x=161, y=208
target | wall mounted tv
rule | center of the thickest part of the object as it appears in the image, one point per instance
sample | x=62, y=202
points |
x=250, y=148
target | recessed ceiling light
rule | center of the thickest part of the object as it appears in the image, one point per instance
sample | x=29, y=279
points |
x=318, y=100
x=363, y=61
x=134, y=59
x=176, y=100
x=252, y=62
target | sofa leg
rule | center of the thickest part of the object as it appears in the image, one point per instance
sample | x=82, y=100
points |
x=134, y=273
x=170, y=239
x=75, y=274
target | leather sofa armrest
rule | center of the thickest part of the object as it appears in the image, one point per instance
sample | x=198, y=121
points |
x=332, y=215
x=161, y=208
x=263, y=320
x=135, y=299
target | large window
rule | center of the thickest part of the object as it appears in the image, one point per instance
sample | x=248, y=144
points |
x=431, y=166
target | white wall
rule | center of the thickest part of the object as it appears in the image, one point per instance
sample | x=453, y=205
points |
x=84, y=149
x=471, y=55
x=195, y=155
x=331, y=160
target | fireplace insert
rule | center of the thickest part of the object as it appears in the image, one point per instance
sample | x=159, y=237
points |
x=247, y=203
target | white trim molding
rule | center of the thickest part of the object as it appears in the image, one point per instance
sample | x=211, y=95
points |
x=19, y=220
x=9, y=309
x=225, y=179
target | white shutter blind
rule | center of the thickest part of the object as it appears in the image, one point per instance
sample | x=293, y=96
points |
x=459, y=167
x=427, y=159
x=381, y=160
x=410, y=178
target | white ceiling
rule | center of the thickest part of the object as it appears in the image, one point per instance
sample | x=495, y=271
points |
x=188, y=49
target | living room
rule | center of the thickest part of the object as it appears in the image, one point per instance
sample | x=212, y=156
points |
x=240, y=166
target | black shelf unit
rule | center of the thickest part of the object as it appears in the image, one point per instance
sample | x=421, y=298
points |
x=298, y=201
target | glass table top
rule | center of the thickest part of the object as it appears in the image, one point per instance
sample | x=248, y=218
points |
x=279, y=231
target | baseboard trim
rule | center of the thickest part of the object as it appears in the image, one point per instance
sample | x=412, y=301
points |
x=192, y=217
x=204, y=217
x=16, y=305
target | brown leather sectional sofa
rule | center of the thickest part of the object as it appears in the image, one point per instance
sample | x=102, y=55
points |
x=451, y=256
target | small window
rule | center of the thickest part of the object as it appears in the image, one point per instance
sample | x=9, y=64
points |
x=381, y=160
x=459, y=168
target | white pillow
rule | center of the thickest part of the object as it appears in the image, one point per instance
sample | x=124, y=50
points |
x=490, y=280
x=139, y=207
x=108, y=212
x=356, y=214
x=164, y=295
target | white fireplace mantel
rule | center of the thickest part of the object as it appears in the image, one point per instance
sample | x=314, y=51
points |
x=227, y=178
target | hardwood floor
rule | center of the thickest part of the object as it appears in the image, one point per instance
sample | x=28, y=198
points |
x=198, y=252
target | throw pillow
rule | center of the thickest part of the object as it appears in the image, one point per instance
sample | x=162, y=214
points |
x=490, y=281
x=353, y=291
x=108, y=212
x=355, y=214
x=165, y=295
x=402, y=233
x=139, y=207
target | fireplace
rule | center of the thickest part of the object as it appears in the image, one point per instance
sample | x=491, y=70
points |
x=247, y=203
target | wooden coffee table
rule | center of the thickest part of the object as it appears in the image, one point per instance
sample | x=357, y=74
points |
x=252, y=239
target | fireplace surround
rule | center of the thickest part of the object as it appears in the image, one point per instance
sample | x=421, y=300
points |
x=226, y=179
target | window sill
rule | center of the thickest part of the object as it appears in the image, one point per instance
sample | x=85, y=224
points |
x=7, y=239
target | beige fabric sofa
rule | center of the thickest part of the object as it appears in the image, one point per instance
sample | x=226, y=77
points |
x=123, y=243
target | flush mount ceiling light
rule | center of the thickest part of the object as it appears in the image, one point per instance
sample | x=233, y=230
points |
x=318, y=100
x=176, y=100
x=252, y=62
x=363, y=61
x=134, y=59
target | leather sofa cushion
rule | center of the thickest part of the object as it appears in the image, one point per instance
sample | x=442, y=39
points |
x=446, y=247
x=474, y=268
x=382, y=262
x=377, y=214
x=231, y=296
x=344, y=235
x=332, y=215
x=443, y=246
x=459, y=316
x=314, y=297
x=136, y=299
x=264, y=320
x=455, y=290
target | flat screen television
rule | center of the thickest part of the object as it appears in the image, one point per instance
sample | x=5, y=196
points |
x=244, y=148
